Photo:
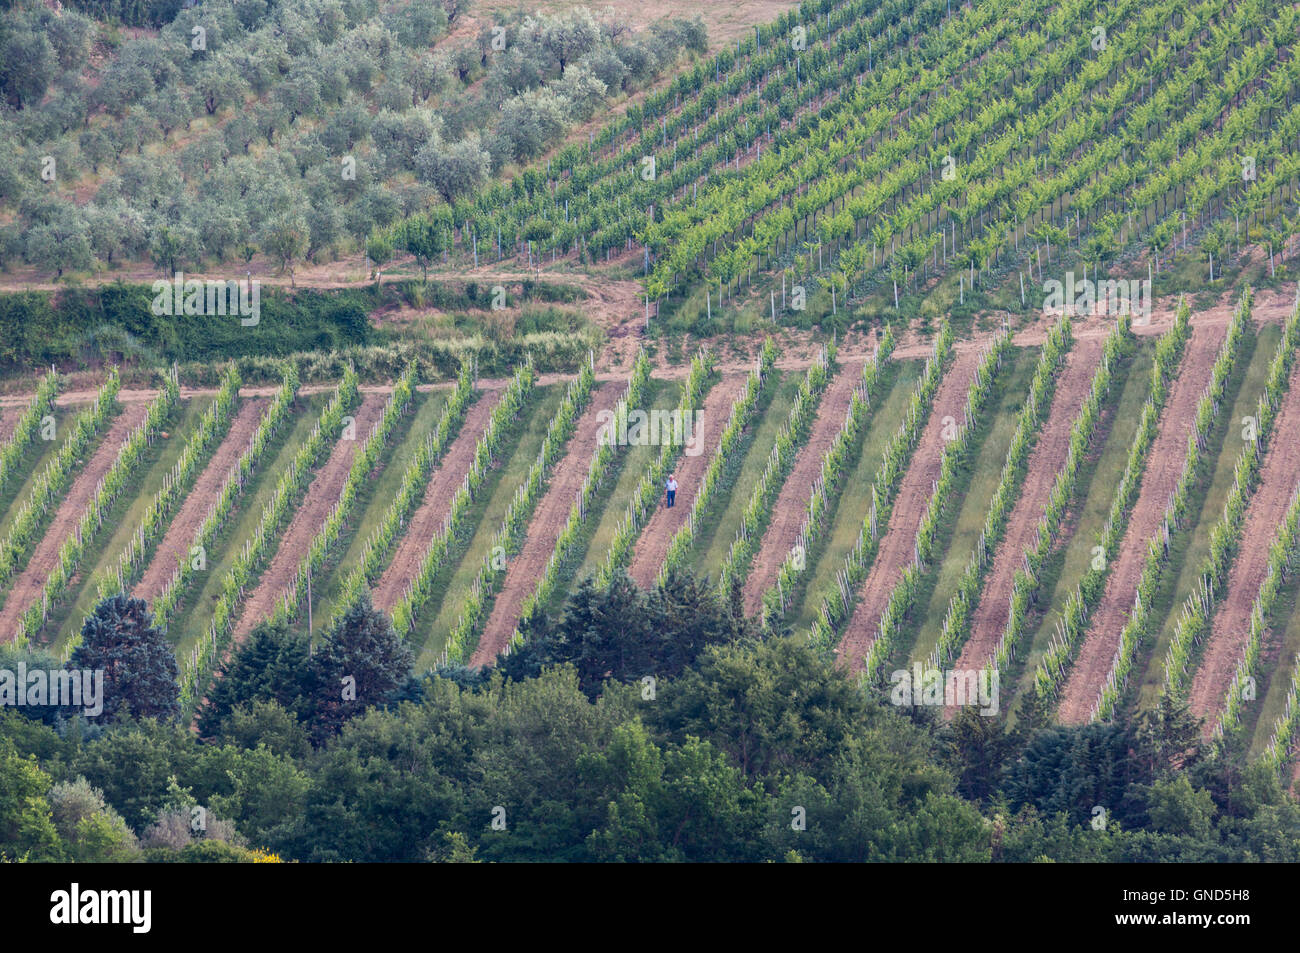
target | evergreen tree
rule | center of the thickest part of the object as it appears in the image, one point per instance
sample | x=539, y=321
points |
x=272, y=664
x=981, y=746
x=1032, y=715
x=1168, y=738
x=362, y=663
x=623, y=633
x=140, y=671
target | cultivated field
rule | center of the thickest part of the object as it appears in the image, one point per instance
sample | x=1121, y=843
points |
x=806, y=259
x=516, y=472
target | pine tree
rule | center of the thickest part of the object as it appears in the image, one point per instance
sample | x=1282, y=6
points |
x=272, y=664
x=362, y=663
x=140, y=671
x=741, y=625
x=981, y=745
x=1168, y=738
x=1033, y=715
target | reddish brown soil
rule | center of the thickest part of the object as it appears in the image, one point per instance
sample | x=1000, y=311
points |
x=1045, y=461
x=1265, y=512
x=9, y=422
x=1164, y=469
x=652, y=545
x=27, y=588
x=133, y=395
x=428, y=519
x=791, y=504
x=899, y=543
x=1269, y=307
x=307, y=520
x=526, y=568
x=726, y=22
x=176, y=542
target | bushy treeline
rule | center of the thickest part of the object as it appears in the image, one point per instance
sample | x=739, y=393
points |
x=320, y=121
x=321, y=330
x=39, y=328
x=639, y=725
x=150, y=13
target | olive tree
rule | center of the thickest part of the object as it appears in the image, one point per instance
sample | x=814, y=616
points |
x=455, y=169
x=453, y=8
x=533, y=120
x=285, y=238
x=220, y=84
x=62, y=244
x=98, y=144
x=567, y=36
x=399, y=136
x=173, y=246
x=69, y=32
x=27, y=65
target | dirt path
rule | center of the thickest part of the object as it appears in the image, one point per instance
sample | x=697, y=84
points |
x=307, y=520
x=144, y=394
x=132, y=395
x=175, y=544
x=428, y=519
x=1045, y=461
x=26, y=589
x=1264, y=513
x=899, y=544
x=526, y=569
x=652, y=545
x=1269, y=307
x=9, y=418
x=791, y=504
x=616, y=304
x=1164, y=468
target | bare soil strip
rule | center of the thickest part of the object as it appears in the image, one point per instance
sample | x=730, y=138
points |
x=652, y=545
x=527, y=567
x=1265, y=511
x=26, y=589
x=798, y=349
x=428, y=519
x=1045, y=461
x=321, y=497
x=9, y=422
x=1163, y=471
x=791, y=504
x=175, y=544
x=899, y=543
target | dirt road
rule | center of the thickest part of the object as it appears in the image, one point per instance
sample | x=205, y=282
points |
x=1265, y=512
x=652, y=545
x=430, y=517
x=322, y=496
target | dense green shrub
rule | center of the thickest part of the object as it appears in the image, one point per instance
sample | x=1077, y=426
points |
x=38, y=328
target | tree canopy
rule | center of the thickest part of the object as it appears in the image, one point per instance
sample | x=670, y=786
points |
x=637, y=725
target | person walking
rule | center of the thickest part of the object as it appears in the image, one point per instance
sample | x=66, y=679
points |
x=671, y=488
